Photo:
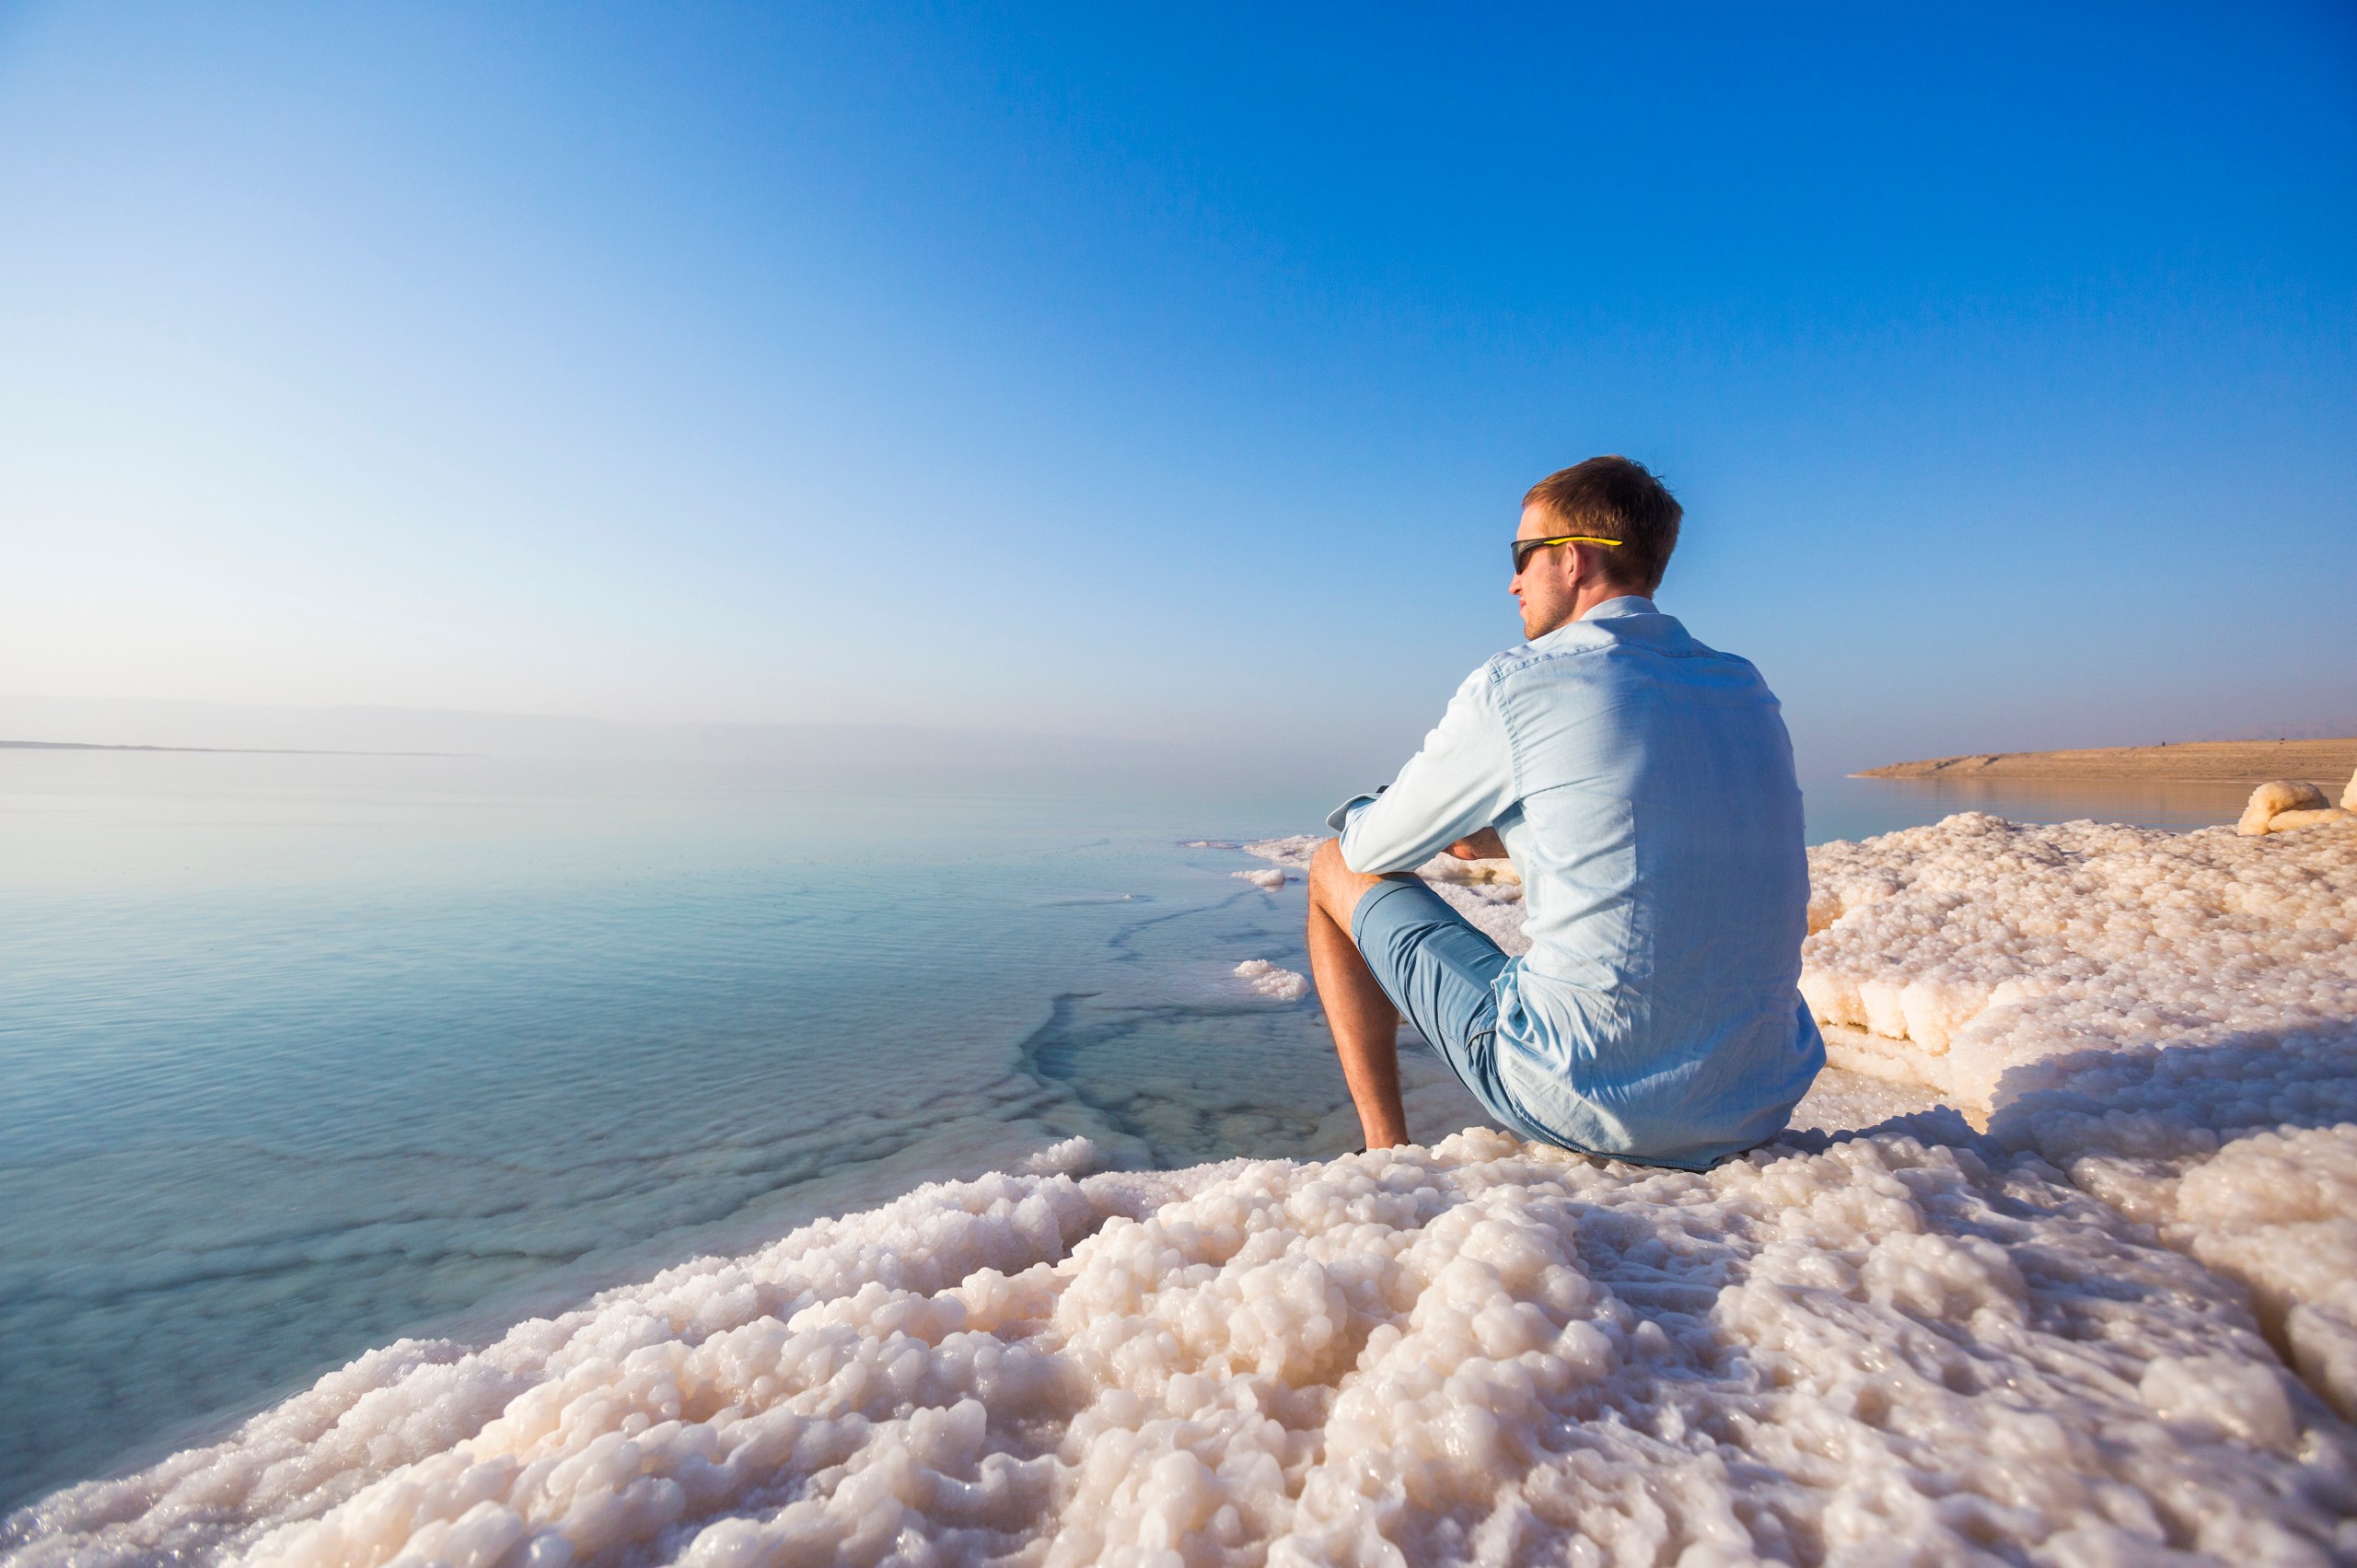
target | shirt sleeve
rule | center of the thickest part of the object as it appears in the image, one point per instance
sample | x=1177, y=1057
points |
x=1461, y=783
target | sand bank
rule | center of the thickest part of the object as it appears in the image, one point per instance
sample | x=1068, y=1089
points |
x=2193, y=762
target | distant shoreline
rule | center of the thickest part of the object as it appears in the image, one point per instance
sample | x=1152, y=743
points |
x=222, y=750
x=2191, y=762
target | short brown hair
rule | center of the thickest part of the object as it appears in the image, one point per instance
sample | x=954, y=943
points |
x=1618, y=499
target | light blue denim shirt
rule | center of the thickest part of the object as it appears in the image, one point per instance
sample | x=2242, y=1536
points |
x=1643, y=784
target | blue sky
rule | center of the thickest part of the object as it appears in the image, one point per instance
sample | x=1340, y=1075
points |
x=1177, y=374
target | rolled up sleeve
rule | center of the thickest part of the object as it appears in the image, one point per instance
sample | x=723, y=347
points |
x=1461, y=781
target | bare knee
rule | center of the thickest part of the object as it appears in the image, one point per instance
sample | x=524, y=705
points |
x=1325, y=862
x=1333, y=885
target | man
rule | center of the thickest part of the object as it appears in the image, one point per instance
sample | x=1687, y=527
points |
x=1643, y=785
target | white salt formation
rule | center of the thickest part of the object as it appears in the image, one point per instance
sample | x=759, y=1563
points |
x=2269, y=800
x=1268, y=881
x=2284, y=821
x=2119, y=1327
x=1966, y=954
x=1267, y=979
x=1879, y=1350
x=2286, y=804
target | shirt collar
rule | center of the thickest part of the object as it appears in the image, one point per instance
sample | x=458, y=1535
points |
x=1627, y=604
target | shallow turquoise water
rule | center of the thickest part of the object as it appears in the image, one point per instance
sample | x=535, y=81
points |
x=303, y=1053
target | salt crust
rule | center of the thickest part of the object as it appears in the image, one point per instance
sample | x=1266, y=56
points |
x=2172, y=1018
x=1878, y=1349
x=2103, y=1332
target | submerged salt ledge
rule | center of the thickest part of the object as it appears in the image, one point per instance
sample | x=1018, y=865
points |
x=2109, y=1329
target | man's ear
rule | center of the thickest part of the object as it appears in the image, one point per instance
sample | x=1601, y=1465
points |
x=1595, y=568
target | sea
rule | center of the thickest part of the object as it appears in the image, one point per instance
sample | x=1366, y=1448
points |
x=301, y=1054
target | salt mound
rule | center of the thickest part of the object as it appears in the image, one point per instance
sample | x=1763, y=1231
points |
x=1268, y=980
x=2269, y=800
x=1267, y=881
x=1874, y=1349
x=2288, y=803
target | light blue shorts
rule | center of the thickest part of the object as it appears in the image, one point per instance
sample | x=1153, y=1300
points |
x=1443, y=974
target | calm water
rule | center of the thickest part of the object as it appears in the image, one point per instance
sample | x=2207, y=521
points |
x=1854, y=808
x=298, y=1055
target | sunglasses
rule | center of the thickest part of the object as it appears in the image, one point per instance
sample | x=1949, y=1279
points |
x=1524, y=547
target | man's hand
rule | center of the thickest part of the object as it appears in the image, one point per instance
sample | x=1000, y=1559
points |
x=1483, y=846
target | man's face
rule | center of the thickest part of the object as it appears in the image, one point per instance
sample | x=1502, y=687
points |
x=1548, y=586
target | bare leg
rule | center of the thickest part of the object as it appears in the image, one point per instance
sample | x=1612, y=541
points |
x=1365, y=1024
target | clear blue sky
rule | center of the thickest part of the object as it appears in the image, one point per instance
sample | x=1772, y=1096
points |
x=1177, y=374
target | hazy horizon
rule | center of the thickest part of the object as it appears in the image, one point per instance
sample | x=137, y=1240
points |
x=377, y=728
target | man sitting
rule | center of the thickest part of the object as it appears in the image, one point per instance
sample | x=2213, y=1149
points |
x=1643, y=785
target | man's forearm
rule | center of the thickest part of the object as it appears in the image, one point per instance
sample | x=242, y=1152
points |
x=1400, y=832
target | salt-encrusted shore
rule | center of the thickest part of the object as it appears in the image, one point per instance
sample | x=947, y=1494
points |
x=2099, y=1306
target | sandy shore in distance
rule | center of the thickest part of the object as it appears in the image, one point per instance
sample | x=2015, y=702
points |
x=2322, y=762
